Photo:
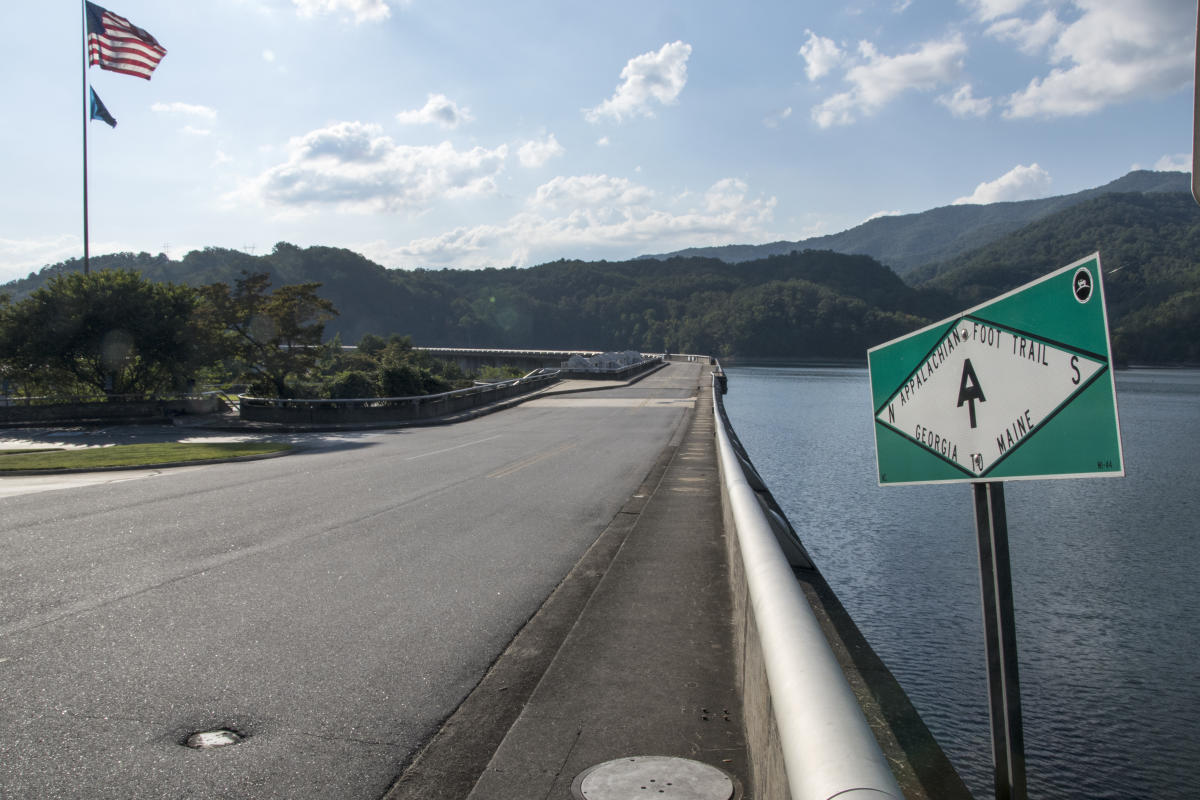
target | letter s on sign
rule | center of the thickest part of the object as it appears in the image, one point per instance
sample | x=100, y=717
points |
x=1075, y=369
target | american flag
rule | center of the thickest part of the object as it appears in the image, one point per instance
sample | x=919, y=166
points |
x=114, y=44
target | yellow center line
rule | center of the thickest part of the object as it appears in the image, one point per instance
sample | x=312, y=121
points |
x=534, y=459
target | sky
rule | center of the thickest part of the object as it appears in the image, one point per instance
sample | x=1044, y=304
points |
x=447, y=133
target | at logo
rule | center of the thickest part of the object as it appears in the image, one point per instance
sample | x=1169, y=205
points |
x=1082, y=285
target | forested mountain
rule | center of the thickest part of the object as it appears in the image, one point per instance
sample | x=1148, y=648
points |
x=908, y=241
x=1149, y=247
x=799, y=304
x=811, y=304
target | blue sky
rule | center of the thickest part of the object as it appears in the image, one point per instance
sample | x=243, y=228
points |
x=427, y=133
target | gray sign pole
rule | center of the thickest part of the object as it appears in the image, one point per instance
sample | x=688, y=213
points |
x=1000, y=633
x=1196, y=114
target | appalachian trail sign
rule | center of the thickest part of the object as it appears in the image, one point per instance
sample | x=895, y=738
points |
x=1020, y=387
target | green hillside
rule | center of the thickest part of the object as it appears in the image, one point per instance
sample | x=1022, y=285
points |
x=906, y=242
x=1149, y=247
x=797, y=304
x=810, y=304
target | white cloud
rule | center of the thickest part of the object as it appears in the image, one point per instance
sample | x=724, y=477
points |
x=879, y=214
x=584, y=191
x=726, y=195
x=603, y=141
x=878, y=79
x=192, y=112
x=186, y=109
x=536, y=153
x=1180, y=162
x=1019, y=183
x=776, y=118
x=836, y=110
x=438, y=110
x=991, y=9
x=1114, y=52
x=1030, y=37
x=21, y=256
x=363, y=10
x=595, y=212
x=821, y=55
x=963, y=103
x=646, y=79
x=352, y=166
x=268, y=56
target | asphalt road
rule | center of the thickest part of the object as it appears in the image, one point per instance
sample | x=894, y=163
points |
x=334, y=606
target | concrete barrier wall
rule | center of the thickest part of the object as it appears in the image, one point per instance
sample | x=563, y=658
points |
x=620, y=374
x=768, y=772
x=22, y=413
x=823, y=715
x=820, y=734
x=385, y=409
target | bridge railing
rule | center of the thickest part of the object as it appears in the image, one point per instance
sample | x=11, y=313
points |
x=617, y=373
x=388, y=409
x=820, y=733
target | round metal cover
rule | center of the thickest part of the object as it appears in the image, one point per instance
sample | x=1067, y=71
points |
x=653, y=776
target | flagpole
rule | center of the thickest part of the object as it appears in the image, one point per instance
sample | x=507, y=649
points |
x=83, y=6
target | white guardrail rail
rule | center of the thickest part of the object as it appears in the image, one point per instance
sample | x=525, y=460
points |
x=827, y=746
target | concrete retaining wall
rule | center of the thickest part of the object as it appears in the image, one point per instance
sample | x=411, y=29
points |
x=767, y=768
x=385, y=409
x=917, y=763
x=20, y=413
x=621, y=374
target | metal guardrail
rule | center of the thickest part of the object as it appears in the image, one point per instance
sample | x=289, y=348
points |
x=827, y=746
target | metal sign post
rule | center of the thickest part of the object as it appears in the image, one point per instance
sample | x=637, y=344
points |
x=1018, y=388
x=1000, y=635
x=1196, y=116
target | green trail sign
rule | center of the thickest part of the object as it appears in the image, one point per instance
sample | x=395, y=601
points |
x=1020, y=387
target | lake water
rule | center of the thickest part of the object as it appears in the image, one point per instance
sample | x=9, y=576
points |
x=1106, y=579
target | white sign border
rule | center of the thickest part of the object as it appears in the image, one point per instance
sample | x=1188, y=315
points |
x=972, y=310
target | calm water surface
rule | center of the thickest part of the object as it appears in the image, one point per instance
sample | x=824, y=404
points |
x=1106, y=577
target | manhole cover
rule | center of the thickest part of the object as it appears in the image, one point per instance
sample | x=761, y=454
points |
x=653, y=776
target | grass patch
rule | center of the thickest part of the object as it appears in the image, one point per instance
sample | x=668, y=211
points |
x=133, y=455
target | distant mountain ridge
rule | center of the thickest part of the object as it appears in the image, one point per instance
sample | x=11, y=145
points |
x=908, y=241
x=804, y=303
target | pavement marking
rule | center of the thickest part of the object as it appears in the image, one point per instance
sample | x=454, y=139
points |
x=610, y=402
x=11, y=486
x=448, y=449
x=529, y=462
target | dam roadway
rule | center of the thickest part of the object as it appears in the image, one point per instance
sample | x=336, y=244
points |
x=334, y=606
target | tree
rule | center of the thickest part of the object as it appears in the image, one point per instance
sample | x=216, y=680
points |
x=352, y=384
x=110, y=332
x=275, y=336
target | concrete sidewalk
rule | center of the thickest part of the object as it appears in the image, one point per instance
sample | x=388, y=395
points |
x=633, y=655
